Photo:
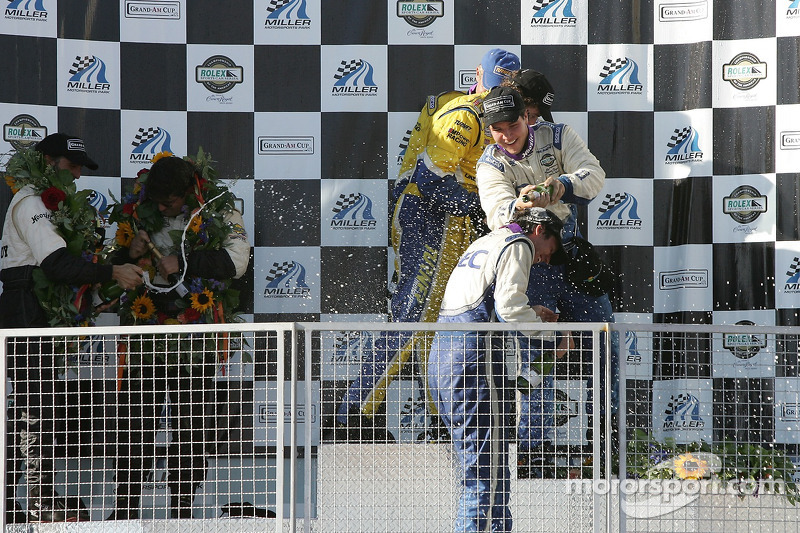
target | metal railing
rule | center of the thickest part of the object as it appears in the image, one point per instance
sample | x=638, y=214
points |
x=275, y=445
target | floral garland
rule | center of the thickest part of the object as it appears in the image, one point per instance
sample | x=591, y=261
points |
x=208, y=300
x=75, y=220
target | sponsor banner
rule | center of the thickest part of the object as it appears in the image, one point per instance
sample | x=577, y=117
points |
x=467, y=59
x=406, y=414
x=682, y=410
x=30, y=18
x=353, y=212
x=682, y=278
x=682, y=144
x=571, y=419
x=286, y=280
x=683, y=21
x=400, y=127
x=787, y=274
x=96, y=360
x=744, y=355
x=25, y=125
x=787, y=17
x=744, y=208
x=622, y=212
x=787, y=138
x=266, y=412
x=103, y=188
x=745, y=73
x=620, y=77
x=219, y=77
x=147, y=21
x=283, y=22
x=88, y=74
x=420, y=22
x=287, y=145
x=787, y=410
x=636, y=347
x=143, y=134
x=343, y=352
x=354, y=78
x=554, y=22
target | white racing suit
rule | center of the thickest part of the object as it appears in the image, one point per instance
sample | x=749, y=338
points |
x=466, y=372
x=552, y=150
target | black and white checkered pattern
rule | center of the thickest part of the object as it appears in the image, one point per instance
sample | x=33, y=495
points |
x=345, y=201
x=347, y=67
x=612, y=200
x=612, y=66
x=145, y=135
x=279, y=269
x=81, y=63
x=678, y=136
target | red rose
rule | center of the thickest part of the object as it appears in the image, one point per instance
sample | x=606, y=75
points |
x=143, y=171
x=128, y=209
x=191, y=314
x=52, y=197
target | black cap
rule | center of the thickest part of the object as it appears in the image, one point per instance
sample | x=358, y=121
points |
x=534, y=86
x=502, y=104
x=529, y=218
x=69, y=146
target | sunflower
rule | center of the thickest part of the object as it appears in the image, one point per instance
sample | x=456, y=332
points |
x=124, y=234
x=202, y=301
x=687, y=466
x=160, y=155
x=196, y=224
x=143, y=307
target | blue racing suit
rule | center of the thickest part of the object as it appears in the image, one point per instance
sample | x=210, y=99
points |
x=551, y=150
x=435, y=214
x=466, y=372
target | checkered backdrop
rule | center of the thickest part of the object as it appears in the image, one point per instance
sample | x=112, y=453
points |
x=692, y=107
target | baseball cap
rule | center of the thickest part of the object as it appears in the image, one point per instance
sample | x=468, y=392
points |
x=498, y=64
x=529, y=218
x=534, y=86
x=502, y=104
x=69, y=146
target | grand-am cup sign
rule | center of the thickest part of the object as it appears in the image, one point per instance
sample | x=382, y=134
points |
x=272, y=145
x=153, y=10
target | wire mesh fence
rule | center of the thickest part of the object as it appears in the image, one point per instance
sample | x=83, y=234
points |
x=390, y=427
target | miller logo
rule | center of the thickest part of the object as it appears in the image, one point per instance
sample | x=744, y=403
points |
x=148, y=142
x=744, y=345
x=684, y=147
x=99, y=201
x=745, y=204
x=23, y=131
x=354, y=78
x=26, y=10
x=88, y=75
x=683, y=11
x=744, y=71
x=687, y=278
x=352, y=346
x=353, y=211
x=287, y=15
x=794, y=9
x=553, y=13
x=620, y=76
x=620, y=211
x=792, y=285
x=421, y=13
x=683, y=412
x=287, y=280
x=632, y=347
x=219, y=74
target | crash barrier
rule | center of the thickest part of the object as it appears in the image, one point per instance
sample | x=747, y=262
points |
x=706, y=442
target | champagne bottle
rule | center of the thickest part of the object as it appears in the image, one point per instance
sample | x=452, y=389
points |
x=531, y=377
x=536, y=193
x=173, y=278
x=107, y=293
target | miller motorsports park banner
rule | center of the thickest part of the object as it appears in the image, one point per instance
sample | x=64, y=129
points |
x=691, y=106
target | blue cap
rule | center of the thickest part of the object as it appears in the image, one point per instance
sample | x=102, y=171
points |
x=498, y=65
